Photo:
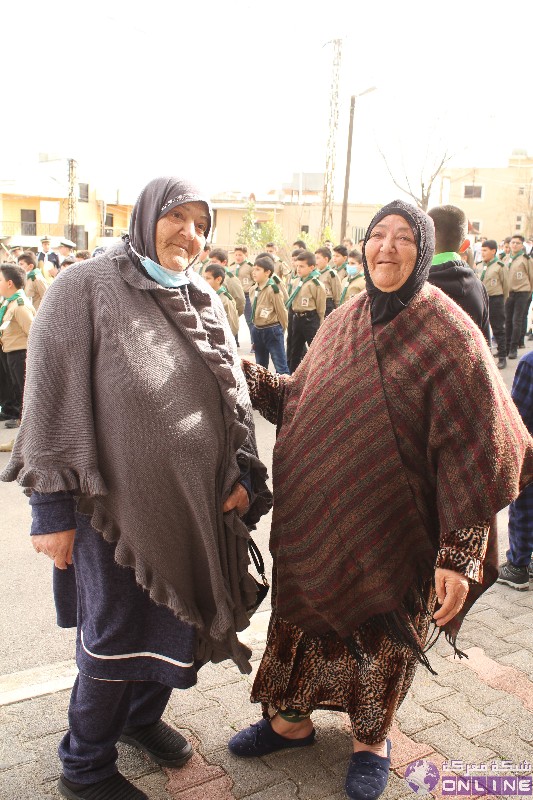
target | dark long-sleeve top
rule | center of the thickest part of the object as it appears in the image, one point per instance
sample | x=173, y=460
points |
x=458, y=281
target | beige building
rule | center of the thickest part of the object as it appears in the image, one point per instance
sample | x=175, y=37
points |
x=36, y=204
x=498, y=201
x=296, y=209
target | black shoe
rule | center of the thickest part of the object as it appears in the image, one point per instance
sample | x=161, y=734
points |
x=515, y=577
x=530, y=570
x=4, y=416
x=512, y=354
x=114, y=788
x=160, y=742
x=367, y=775
x=502, y=363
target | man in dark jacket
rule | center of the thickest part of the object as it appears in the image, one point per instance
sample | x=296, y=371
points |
x=450, y=273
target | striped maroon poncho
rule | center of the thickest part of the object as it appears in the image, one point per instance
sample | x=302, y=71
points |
x=391, y=438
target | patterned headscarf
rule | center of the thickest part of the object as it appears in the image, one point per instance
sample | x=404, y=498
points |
x=387, y=305
x=156, y=199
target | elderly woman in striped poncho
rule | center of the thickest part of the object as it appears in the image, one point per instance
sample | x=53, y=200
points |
x=391, y=463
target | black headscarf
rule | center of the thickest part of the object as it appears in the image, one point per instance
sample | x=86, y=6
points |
x=387, y=305
x=156, y=199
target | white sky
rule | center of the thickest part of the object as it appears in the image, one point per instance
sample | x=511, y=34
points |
x=236, y=94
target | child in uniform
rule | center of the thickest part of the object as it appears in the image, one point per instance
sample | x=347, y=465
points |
x=16, y=317
x=308, y=303
x=269, y=316
x=214, y=274
x=35, y=286
x=354, y=282
x=329, y=277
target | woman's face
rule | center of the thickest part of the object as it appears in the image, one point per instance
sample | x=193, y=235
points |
x=391, y=253
x=180, y=235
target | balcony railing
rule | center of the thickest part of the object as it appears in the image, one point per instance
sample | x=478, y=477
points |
x=18, y=228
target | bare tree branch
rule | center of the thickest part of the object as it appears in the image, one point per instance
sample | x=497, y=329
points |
x=422, y=197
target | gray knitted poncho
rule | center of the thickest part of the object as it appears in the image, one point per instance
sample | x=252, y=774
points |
x=136, y=402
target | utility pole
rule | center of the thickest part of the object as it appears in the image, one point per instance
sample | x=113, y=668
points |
x=329, y=175
x=344, y=216
x=72, y=200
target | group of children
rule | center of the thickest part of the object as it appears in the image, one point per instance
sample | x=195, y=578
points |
x=277, y=299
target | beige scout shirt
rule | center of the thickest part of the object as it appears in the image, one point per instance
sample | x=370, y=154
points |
x=270, y=306
x=332, y=284
x=234, y=287
x=231, y=310
x=35, y=289
x=311, y=297
x=341, y=271
x=352, y=285
x=244, y=273
x=16, y=326
x=521, y=274
x=495, y=278
x=282, y=287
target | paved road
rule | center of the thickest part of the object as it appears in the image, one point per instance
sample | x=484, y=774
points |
x=480, y=710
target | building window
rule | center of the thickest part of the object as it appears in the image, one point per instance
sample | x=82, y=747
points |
x=28, y=222
x=521, y=190
x=475, y=226
x=518, y=223
x=108, y=229
x=471, y=191
x=305, y=228
x=83, y=192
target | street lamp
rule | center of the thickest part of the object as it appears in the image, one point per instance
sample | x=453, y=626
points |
x=349, y=160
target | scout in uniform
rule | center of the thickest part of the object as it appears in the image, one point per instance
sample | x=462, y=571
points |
x=292, y=281
x=35, y=286
x=340, y=261
x=494, y=276
x=329, y=277
x=242, y=269
x=282, y=270
x=269, y=316
x=308, y=303
x=354, y=282
x=520, y=273
x=232, y=283
x=16, y=317
x=203, y=259
x=215, y=275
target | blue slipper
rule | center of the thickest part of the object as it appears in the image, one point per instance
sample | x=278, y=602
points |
x=367, y=775
x=259, y=739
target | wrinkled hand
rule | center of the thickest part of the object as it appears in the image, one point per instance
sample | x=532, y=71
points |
x=238, y=500
x=451, y=588
x=57, y=546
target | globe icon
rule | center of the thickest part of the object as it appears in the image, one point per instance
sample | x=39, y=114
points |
x=421, y=776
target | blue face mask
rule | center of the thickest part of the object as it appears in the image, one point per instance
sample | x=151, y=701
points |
x=164, y=277
x=352, y=269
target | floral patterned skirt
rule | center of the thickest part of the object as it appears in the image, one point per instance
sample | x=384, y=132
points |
x=303, y=673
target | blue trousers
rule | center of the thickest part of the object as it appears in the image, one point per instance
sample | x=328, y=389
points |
x=99, y=711
x=270, y=342
x=521, y=529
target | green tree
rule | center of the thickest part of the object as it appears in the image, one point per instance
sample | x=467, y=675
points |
x=249, y=234
x=328, y=236
x=270, y=231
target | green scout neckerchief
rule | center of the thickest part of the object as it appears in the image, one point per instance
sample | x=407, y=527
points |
x=350, y=280
x=442, y=258
x=19, y=296
x=342, y=266
x=312, y=275
x=33, y=273
x=486, y=266
x=269, y=282
x=521, y=253
x=229, y=273
x=223, y=290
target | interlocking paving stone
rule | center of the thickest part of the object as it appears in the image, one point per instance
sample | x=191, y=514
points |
x=249, y=775
x=282, y=791
x=470, y=721
x=505, y=742
x=522, y=660
x=414, y=717
x=511, y=710
x=446, y=738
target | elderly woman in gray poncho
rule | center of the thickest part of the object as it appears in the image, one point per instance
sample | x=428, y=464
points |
x=137, y=449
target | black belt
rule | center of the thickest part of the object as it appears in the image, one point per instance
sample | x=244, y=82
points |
x=306, y=313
